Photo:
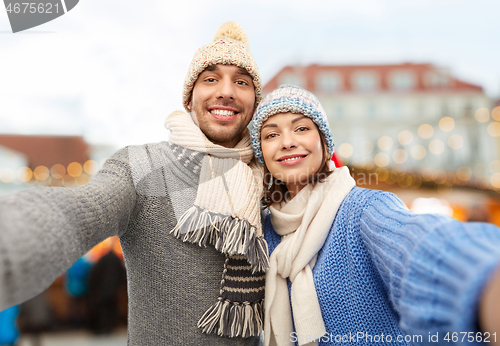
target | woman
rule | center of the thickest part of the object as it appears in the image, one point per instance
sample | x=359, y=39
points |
x=355, y=265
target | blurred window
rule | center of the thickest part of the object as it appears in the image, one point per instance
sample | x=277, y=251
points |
x=397, y=110
x=339, y=112
x=292, y=78
x=365, y=81
x=328, y=82
x=372, y=111
x=435, y=79
x=402, y=80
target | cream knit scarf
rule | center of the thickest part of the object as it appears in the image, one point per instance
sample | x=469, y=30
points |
x=226, y=214
x=303, y=223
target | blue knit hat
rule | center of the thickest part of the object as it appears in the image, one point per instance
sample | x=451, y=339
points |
x=289, y=98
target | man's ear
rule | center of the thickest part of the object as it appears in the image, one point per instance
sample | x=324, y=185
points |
x=190, y=101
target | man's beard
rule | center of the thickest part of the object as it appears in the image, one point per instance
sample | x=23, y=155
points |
x=220, y=134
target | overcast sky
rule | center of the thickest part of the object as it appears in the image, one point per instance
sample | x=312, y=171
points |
x=112, y=70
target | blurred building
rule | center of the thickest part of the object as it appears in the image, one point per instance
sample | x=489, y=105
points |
x=406, y=117
x=27, y=160
x=412, y=125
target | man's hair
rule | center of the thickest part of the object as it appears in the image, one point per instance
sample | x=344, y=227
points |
x=278, y=192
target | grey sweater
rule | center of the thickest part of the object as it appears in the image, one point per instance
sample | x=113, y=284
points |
x=138, y=196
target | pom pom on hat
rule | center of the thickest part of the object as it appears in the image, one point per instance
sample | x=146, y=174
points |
x=229, y=47
x=232, y=30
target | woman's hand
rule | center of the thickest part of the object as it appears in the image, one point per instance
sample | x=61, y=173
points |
x=489, y=307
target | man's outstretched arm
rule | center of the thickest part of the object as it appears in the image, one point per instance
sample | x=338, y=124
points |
x=43, y=231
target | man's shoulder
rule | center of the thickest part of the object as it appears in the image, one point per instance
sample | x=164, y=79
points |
x=141, y=152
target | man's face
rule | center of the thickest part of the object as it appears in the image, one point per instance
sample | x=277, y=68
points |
x=223, y=100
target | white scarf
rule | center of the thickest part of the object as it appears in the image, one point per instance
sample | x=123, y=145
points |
x=226, y=213
x=303, y=223
x=230, y=185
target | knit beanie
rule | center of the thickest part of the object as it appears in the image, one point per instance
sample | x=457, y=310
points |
x=229, y=47
x=289, y=98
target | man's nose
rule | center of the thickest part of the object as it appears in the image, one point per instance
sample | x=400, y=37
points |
x=226, y=89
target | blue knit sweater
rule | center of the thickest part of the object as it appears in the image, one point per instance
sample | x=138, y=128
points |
x=385, y=271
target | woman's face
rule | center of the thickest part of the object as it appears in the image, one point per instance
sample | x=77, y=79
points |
x=292, y=149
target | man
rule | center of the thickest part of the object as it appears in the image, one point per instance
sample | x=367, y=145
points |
x=186, y=212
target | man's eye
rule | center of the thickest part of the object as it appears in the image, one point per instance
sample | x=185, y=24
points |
x=241, y=82
x=210, y=80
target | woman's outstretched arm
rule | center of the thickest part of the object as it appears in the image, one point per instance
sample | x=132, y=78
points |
x=489, y=308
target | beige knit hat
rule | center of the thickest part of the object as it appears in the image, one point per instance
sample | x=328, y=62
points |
x=229, y=47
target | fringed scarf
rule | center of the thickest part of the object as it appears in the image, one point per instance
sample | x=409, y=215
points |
x=226, y=214
x=303, y=223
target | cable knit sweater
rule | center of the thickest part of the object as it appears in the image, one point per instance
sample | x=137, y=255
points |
x=138, y=195
x=384, y=270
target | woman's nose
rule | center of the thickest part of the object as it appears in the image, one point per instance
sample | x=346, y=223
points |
x=288, y=141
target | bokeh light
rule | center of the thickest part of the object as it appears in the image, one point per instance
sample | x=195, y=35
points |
x=75, y=169
x=385, y=143
x=82, y=179
x=58, y=171
x=24, y=174
x=366, y=148
x=436, y=146
x=405, y=137
x=69, y=181
x=425, y=131
x=495, y=180
x=455, y=141
x=494, y=166
x=494, y=129
x=41, y=173
x=464, y=173
x=346, y=150
x=446, y=124
x=440, y=177
x=418, y=152
x=495, y=113
x=382, y=159
x=90, y=167
x=55, y=182
x=382, y=174
x=400, y=156
x=7, y=175
x=482, y=115
x=428, y=173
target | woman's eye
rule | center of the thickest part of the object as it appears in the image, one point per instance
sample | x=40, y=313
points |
x=302, y=129
x=271, y=135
